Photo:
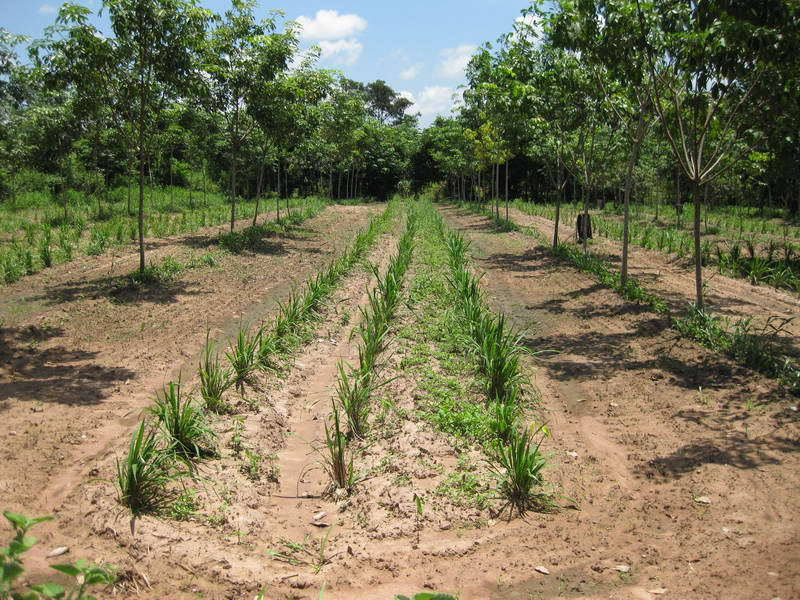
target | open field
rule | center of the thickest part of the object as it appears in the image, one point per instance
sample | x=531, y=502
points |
x=666, y=467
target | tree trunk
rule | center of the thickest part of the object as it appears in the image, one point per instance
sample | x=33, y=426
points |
x=233, y=185
x=637, y=142
x=698, y=259
x=278, y=193
x=142, y=96
x=506, y=189
x=561, y=188
x=259, y=181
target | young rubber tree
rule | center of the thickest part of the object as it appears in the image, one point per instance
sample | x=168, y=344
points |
x=155, y=42
x=703, y=64
x=240, y=55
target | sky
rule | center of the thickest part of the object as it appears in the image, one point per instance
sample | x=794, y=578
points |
x=418, y=47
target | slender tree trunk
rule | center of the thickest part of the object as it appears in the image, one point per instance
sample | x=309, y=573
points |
x=637, y=142
x=278, y=193
x=141, y=173
x=560, y=189
x=233, y=185
x=585, y=194
x=330, y=184
x=506, y=189
x=259, y=181
x=698, y=259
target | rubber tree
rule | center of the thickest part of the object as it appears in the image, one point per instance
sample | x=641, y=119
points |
x=703, y=65
x=240, y=55
x=154, y=45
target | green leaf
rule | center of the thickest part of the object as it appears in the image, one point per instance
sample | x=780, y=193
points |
x=70, y=570
x=51, y=590
x=9, y=571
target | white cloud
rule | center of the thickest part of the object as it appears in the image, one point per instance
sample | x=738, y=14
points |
x=330, y=25
x=345, y=52
x=433, y=100
x=412, y=71
x=47, y=9
x=456, y=60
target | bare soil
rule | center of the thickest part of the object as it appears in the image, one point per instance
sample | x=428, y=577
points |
x=647, y=427
x=672, y=278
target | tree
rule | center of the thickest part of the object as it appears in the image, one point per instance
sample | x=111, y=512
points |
x=155, y=44
x=240, y=55
x=704, y=63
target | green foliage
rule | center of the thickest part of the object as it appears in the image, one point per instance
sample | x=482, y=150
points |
x=740, y=342
x=11, y=568
x=215, y=379
x=143, y=476
x=183, y=424
x=242, y=356
x=518, y=466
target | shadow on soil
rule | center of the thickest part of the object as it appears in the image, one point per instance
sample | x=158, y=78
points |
x=117, y=289
x=729, y=444
x=55, y=375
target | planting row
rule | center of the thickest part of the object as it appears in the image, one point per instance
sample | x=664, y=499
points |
x=469, y=365
x=739, y=339
x=356, y=385
x=759, y=261
x=43, y=245
x=168, y=449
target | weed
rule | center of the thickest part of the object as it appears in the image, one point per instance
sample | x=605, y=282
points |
x=144, y=474
x=184, y=507
x=312, y=551
x=236, y=442
x=252, y=465
x=183, y=423
x=215, y=379
x=11, y=567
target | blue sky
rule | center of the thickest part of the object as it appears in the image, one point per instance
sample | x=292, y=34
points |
x=417, y=47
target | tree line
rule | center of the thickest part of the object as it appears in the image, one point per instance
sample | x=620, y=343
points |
x=176, y=94
x=595, y=100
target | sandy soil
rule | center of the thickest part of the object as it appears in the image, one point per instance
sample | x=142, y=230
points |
x=673, y=279
x=647, y=428
x=79, y=362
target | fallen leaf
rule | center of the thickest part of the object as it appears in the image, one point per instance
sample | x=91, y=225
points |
x=623, y=568
x=542, y=570
x=703, y=500
x=57, y=551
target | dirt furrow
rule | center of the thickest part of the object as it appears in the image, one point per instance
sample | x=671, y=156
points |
x=684, y=465
x=672, y=278
x=76, y=373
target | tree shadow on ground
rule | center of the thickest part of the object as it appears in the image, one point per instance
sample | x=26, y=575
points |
x=53, y=375
x=727, y=443
x=118, y=289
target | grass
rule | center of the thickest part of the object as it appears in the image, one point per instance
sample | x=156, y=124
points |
x=738, y=340
x=144, y=474
x=184, y=424
x=32, y=245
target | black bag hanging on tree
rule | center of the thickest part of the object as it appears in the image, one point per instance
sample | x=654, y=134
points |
x=583, y=227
